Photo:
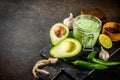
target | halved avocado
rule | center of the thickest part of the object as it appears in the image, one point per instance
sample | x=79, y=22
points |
x=67, y=48
x=58, y=32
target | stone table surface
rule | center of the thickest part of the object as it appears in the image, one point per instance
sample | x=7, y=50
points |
x=24, y=31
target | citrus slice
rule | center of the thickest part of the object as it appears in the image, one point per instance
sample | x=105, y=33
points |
x=105, y=41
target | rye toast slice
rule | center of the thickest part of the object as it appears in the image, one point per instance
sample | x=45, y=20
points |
x=95, y=12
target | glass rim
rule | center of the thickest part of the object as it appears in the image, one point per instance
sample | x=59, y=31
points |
x=88, y=17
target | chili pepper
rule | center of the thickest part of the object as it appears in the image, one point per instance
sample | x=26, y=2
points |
x=88, y=65
x=91, y=54
x=107, y=63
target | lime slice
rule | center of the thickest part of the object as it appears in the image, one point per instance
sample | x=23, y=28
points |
x=105, y=41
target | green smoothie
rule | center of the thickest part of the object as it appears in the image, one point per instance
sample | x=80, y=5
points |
x=86, y=31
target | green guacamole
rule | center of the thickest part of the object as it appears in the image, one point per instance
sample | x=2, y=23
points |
x=86, y=31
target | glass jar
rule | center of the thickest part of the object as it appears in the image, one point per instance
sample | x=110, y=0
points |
x=86, y=29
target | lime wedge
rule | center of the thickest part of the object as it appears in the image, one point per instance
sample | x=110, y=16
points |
x=105, y=41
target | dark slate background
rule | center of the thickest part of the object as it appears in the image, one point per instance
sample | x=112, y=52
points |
x=24, y=31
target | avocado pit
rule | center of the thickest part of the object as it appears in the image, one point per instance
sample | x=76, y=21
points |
x=59, y=31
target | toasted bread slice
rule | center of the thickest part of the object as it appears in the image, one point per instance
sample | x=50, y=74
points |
x=96, y=12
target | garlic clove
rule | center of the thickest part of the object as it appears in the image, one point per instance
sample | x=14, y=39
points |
x=104, y=54
x=69, y=21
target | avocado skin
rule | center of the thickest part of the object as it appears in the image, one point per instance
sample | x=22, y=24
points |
x=53, y=38
x=59, y=51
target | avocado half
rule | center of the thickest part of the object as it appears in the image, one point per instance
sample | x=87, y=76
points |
x=67, y=48
x=58, y=32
